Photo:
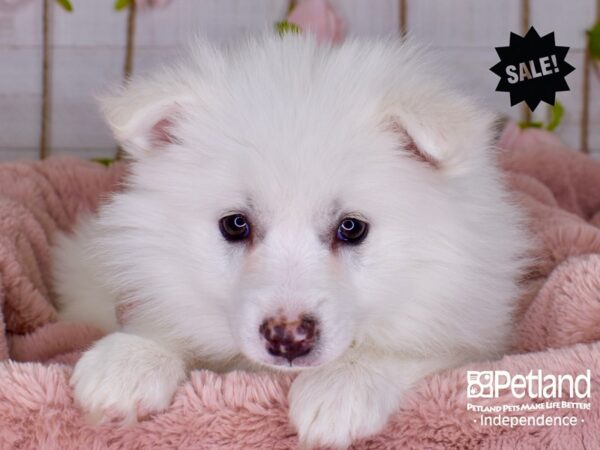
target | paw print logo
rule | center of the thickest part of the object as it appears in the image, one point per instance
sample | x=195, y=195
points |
x=479, y=384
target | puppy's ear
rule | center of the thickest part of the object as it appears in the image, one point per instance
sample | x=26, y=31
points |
x=143, y=117
x=407, y=144
x=447, y=133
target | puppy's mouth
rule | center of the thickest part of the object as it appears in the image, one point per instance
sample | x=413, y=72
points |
x=307, y=361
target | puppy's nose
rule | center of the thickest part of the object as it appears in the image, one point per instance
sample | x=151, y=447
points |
x=290, y=339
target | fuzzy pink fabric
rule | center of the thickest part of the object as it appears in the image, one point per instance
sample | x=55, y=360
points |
x=557, y=326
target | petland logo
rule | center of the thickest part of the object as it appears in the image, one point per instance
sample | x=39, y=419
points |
x=535, y=385
x=546, y=394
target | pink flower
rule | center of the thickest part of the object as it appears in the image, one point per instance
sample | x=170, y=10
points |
x=318, y=17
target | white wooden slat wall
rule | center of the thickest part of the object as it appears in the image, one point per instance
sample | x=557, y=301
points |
x=88, y=51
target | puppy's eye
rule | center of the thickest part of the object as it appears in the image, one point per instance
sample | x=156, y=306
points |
x=352, y=231
x=234, y=227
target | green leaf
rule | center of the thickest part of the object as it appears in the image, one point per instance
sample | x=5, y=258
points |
x=284, y=27
x=530, y=125
x=66, y=4
x=594, y=40
x=104, y=161
x=556, y=114
x=121, y=4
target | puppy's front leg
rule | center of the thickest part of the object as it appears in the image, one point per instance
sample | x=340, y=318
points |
x=125, y=375
x=352, y=398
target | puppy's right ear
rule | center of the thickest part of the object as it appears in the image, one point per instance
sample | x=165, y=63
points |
x=143, y=117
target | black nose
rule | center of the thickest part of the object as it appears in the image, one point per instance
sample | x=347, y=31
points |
x=290, y=339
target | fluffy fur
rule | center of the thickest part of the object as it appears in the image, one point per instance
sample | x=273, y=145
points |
x=296, y=136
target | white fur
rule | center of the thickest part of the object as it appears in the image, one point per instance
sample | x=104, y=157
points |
x=297, y=135
x=80, y=290
x=123, y=374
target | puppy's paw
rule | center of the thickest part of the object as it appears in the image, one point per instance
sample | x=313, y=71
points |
x=333, y=408
x=124, y=376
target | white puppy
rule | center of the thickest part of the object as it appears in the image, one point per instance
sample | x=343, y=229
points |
x=331, y=210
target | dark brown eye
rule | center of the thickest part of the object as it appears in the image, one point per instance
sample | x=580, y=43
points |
x=234, y=227
x=352, y=231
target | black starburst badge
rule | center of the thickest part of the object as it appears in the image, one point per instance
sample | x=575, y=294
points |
x=532, y=69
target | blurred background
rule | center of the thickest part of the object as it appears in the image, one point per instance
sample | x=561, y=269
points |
x=87, y=50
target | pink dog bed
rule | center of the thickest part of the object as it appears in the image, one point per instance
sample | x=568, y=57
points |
x=557, y=327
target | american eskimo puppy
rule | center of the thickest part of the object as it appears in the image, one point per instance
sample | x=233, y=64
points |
x=330, y=210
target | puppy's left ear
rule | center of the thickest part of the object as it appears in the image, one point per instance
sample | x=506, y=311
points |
x=143, y=116
x=447, y=133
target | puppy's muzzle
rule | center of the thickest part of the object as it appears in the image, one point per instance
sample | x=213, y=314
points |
x=290, y=339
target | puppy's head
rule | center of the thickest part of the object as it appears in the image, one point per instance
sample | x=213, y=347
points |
x=282, y=194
